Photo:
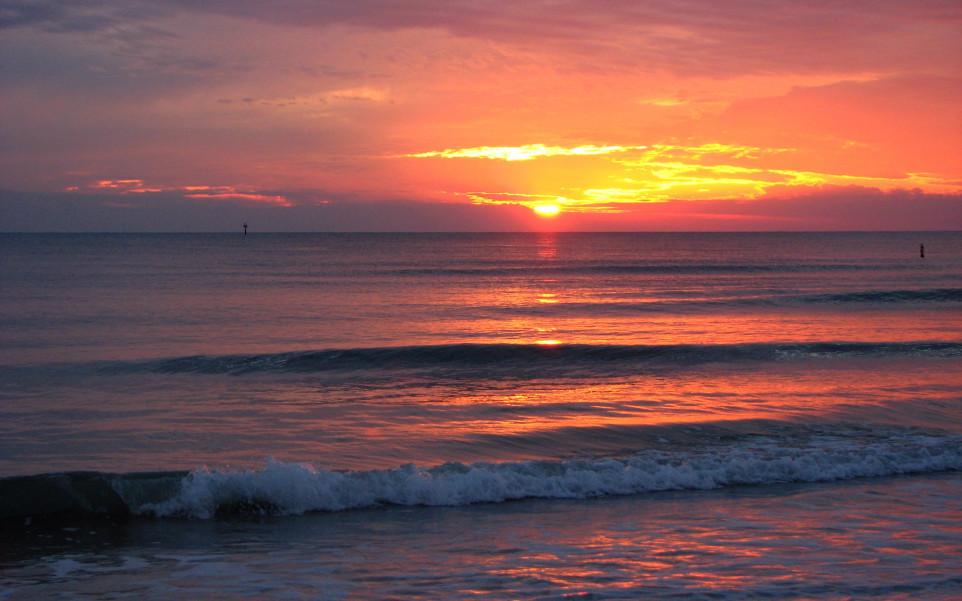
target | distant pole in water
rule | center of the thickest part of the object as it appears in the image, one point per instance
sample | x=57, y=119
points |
x=922, y=250
x=245, y=228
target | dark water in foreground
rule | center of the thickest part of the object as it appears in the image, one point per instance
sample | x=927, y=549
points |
x=652, y=416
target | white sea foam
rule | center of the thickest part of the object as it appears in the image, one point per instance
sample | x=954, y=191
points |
x=291, y=489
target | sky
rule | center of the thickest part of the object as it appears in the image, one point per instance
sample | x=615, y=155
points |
x=461, y=115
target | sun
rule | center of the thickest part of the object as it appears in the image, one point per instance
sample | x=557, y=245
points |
x=547, y=210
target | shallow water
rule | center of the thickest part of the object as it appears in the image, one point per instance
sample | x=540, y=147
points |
x=869, y=539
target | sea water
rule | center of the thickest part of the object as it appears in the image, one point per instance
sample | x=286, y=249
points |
x=444, y=416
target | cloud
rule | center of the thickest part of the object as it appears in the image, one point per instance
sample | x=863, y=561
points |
x=717, y=39
x=177, y=211
x=523, y=153
x=684, y=36
x=828, y=208
x=125, y=187
x=662, y=173
x=232, y=195
x=670, y=19
x=862, y=208
x=59, y=16
x=121, y=186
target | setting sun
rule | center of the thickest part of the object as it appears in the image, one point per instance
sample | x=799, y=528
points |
x=547, y=210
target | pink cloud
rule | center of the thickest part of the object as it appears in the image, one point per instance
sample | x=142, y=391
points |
x=278, y=200
x=136, y=186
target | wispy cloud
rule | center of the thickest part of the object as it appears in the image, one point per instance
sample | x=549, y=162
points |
x=124, y=187
x=685, y=36
x=663, y=173
x=523, y=153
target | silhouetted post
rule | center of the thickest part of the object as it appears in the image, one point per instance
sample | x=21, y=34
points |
x=245, y=228
x=922, y=250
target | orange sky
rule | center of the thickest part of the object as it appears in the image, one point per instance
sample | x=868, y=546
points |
x=464, y=115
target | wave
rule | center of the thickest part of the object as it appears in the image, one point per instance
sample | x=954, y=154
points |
x=524, y=359
x=293, y=489
x=935, y=295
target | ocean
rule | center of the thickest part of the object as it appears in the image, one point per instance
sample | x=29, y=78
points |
x=481, y=416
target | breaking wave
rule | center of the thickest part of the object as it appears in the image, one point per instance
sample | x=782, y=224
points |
x=291, y=489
